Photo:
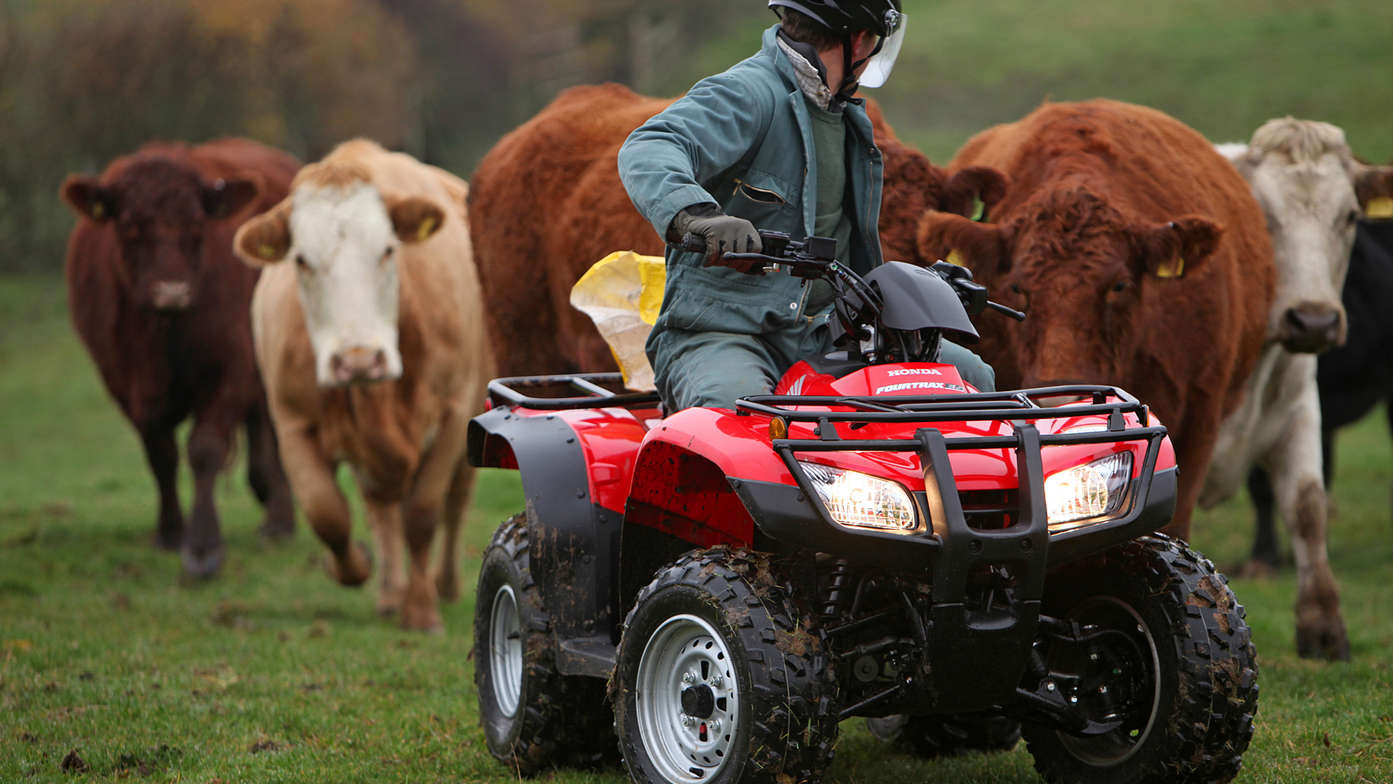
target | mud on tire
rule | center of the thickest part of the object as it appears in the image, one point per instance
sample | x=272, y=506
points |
x=715, y=639
x=534, y=718
x=1201, y=706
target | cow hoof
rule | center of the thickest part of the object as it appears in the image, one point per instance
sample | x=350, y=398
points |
x=421, y=620
x=447, y=587
x=356, y=571
x=202, y=564
x=1255, y=569
x=168, y=540
x=1324, y=639
x=389, y=604
x=276, y=532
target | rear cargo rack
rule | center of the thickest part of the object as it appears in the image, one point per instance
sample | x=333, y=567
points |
x=601, y=390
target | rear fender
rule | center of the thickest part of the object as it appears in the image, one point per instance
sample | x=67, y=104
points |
x=575, y=467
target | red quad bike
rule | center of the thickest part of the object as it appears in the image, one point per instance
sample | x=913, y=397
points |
x=875, y=539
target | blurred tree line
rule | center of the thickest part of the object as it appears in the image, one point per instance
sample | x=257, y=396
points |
x=83, y=81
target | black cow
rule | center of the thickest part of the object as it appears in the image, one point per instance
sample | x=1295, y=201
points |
x=1353, y=378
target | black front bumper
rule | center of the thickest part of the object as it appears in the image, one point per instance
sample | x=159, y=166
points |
x=965, y=638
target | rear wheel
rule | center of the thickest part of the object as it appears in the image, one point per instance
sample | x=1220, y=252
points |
x=533, y=717
x=941, y=736
x=1166, y=669
x=720, y=680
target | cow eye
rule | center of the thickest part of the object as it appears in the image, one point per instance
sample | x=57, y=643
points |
x=301, y=263
x=1120, y=286
x=1352, y=217
x=387, y=254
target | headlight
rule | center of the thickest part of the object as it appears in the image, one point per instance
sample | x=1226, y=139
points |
x=1087, y=491
x=859, y=500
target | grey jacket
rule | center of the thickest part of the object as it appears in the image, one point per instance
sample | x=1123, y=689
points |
x=742, y=141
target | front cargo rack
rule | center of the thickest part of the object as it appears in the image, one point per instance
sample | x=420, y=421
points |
x=555, y=393
x=1020, y=408
x=978, y=406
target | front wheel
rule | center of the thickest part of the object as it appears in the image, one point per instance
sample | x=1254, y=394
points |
x=1165, y=668
x=718, y=681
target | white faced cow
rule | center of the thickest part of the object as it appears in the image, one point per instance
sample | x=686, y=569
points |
x=369, y=333
x=1310, y=188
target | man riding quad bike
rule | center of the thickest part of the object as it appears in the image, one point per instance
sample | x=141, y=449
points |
x=875, y=538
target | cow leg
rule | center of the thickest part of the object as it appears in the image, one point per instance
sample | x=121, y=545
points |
x=1388, y=411
x=208, y=446
x=423, y=513
x=1266, y=557
x=1192, y=456
x=162, y=454
x=267, y=477
x=311, y=476
x=456, y=505
x=1327, y=468
x=1300, y=491
x=387, y=528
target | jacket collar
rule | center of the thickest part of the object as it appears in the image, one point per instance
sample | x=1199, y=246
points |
x=785, y=66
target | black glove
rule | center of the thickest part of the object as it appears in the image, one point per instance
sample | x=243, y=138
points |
x=723, y=234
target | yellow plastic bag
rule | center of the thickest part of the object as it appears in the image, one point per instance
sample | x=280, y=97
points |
x=622, y=293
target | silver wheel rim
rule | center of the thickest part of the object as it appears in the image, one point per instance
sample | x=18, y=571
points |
x=505, y=651
x=684, y=653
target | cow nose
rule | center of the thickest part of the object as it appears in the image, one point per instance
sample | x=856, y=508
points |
x=1310, y=329
x=357, y=364
x=172, y=295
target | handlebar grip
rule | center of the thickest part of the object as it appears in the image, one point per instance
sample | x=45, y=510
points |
x=692, y=242
x=1012, y=312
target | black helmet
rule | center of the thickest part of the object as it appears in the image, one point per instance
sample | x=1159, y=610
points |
x=881, y=17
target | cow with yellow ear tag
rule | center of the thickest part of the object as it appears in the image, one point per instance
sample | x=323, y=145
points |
x=369, y=332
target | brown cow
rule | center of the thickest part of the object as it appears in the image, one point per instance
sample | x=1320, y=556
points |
x=373, y=346
x=547, y=203
x=162, y=307
x=1140, y=255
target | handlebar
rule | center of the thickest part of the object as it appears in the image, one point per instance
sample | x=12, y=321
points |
x=817, y=258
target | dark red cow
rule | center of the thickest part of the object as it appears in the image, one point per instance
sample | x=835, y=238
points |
x=1140, y=255
x=163, y=308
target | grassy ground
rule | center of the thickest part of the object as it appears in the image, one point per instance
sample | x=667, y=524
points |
x=271, y=673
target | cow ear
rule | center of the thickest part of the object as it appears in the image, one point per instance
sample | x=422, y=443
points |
x=264, y=239
x=949, y=237
x=1374, y=187
x=225, y=198
x=414, y=219
x=1176, y=248
x=973, y=192
x=88, y=198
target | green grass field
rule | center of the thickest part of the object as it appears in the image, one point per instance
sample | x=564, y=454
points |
x=273, y=673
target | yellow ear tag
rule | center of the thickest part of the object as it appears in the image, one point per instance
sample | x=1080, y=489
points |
x=954, y=257
x=1382, y=207
x=1175, y=268
x=266, y=252
x=99, y=211
x=979, y=209
x=427, y=226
